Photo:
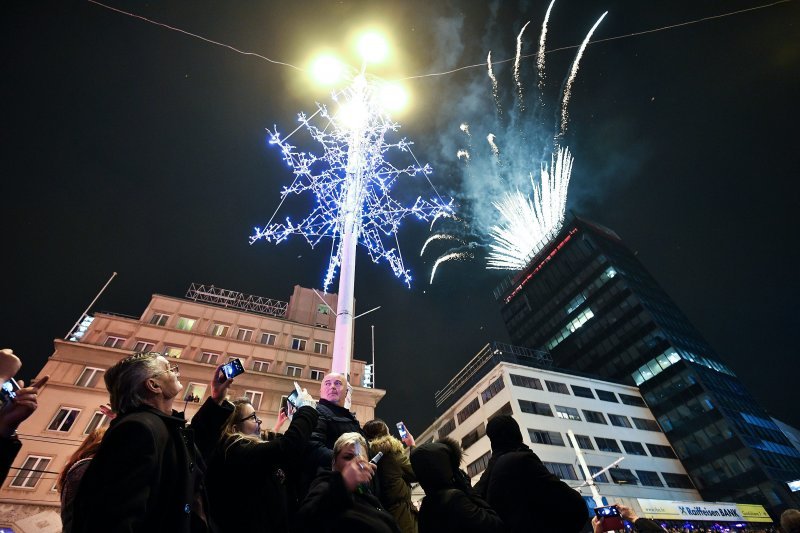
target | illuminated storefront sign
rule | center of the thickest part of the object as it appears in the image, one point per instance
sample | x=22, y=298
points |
x=705, y=511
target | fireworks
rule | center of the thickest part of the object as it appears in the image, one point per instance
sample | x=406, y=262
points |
x=453, y=256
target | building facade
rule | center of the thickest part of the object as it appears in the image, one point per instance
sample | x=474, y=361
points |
x=278, y=343
x=609, y=420
x=587, y=300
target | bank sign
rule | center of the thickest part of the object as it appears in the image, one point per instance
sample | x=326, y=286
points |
x=712, y=512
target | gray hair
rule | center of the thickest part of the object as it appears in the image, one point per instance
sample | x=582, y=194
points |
x=125, y=380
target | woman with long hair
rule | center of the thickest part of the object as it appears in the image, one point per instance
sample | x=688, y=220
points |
x=260, y=471
x=70, y=477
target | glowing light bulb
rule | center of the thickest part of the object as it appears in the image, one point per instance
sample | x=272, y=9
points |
x=352, y=114
x=373, y=47
x=393, y=97
x=327, y=70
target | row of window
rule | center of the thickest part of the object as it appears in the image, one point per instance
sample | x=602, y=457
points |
x=299, y=344
x=595, y=417
x=584, y=392
x=553, y=438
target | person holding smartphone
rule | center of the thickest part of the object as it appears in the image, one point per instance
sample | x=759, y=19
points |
x=641, y=525
x=261, y=473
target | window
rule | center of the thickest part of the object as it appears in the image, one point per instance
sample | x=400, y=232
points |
x=210, y=358
x=254, y=397
x=321, y=347
x=260, y=366
x=623, y=476
x=595, y=417
x=468, y=411
x=294, y=371
x=89, y=377
x=323, y=309
x=143, y=347
x=244, y=334
x=568, y=413
x=479, y=465
x=194, y=392
x=185, y=324
x=219, y=330
x=525, y=381
x=657, y=450
x=619, y=421
x=317, y=375
x=268, y=338
x=606, y=396
x=583, y=392
x=172, y=351
x=298, y=344
x=645, y=424
x=98, y=420
x=649, y=479
x=607, y=445
x=159, y=319
x=633, y=448
x=492, y=390
x=535, y=408
x=594, y=470
x=628, y=399
x=555, y=386
x=677, y=481
x=562, y=470
x=64, y=419
x=584, y=442
x=539, y=436
x=473, y=436
x=446, y=428
x=30, y=473
x=114, y=342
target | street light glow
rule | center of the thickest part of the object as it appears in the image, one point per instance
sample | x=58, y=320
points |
x=373, y=47
x=327, y=69
x=393, y=97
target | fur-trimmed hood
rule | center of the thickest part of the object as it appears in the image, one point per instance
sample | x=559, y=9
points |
x=435, y=464
x=386, y=444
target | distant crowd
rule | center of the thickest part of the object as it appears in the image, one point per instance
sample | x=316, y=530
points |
x=152, y=471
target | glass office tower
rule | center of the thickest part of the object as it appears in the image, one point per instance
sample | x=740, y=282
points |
x=587, y=300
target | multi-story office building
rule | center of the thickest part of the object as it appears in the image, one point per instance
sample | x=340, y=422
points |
x=586, y=299
x=278, y=343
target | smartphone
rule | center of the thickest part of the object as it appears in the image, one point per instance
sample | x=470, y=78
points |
x=401, y=428
x=232, y=369
x=611, y=519
x=8, y=392
x=284, y=400
x=292, y=396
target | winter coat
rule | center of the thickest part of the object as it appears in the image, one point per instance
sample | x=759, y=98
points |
x=147, y=474
x=71, y=483
x=450, y=503
x=524, y=493
x=645, y=525
x=330, y=508
x=9, y=448
x=254, y=474
x=395, y=477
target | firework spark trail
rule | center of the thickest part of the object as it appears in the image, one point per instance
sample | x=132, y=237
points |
x=540, y=53
x=462, y=154
x=494, y=84
x=454, y=256
x=443, y=214
x=495, y=150
x=572, y=74
x=516, y=65
x=465, y=128
x=440, y=237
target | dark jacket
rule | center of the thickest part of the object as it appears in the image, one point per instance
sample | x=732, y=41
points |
x=9, y=448
x=395, y=477
x=147, y=473
x=329, y=507
x=645, y=525
x=254, y=475
x=450, y=503
x=70, y=487
x=524, y=493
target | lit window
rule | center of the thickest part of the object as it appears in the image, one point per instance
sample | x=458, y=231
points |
x=209, y=358
x=321, y=347
x=172, y=351
x=294, y=371
x=194, y=392
x=317, y=375
x=323, y=309
x=575, y=303
x=568, y=413
x=28, y=476
x=260, y=366
x=64, y=419
x=185, y=324
x=143, y=347
x=254, y=397
x=244, y=334
x=298, y=344
x=268, y=338
x=219, y=330
x=159, y=319
x=98, y=420
x=89, y=377
x=114, y=342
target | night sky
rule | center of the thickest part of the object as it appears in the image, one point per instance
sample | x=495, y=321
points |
x=128, y=147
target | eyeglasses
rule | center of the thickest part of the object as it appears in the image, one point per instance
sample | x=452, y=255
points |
x=253, y=416
x=170, y=368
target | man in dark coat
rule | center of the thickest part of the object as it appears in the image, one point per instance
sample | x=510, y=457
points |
x=450, y=503
x=147, y=474
x=522, y=491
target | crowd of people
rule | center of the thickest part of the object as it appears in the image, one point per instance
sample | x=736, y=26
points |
x=153, y=471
